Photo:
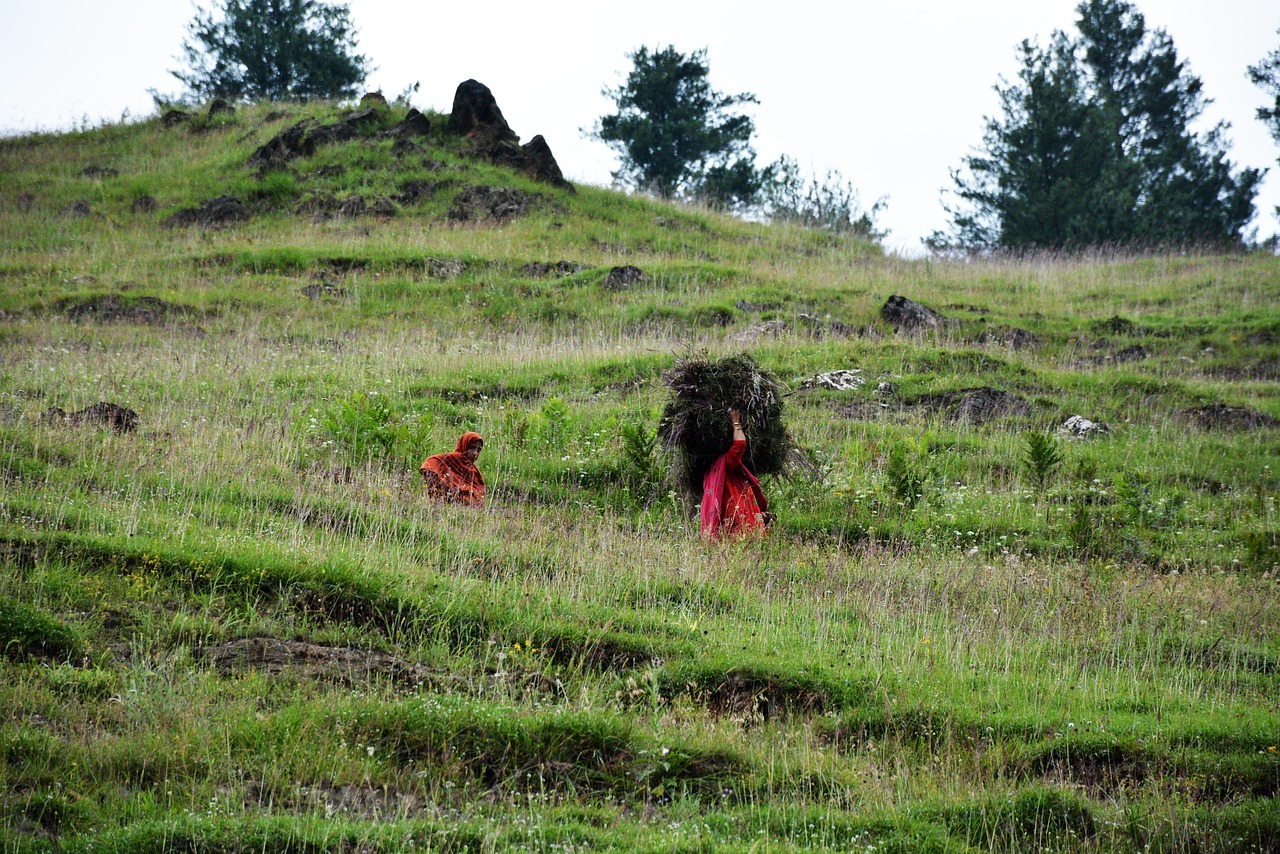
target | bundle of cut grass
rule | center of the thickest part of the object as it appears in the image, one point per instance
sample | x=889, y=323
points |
x=695, y=422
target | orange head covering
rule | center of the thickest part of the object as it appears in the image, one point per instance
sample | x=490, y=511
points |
x=456, y=476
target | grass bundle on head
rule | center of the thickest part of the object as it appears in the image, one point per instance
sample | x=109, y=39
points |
x=695, y=422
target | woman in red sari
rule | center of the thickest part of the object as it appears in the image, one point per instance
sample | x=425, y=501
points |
x=732, y=502
x=453, y=477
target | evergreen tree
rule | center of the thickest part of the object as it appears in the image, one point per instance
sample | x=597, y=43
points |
x=1095, y=148
x=272, y=49
x=1267, y=75
x=676, y=136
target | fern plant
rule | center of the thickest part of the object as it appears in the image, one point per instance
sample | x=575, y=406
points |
x=1043, y=458
x=639, y=453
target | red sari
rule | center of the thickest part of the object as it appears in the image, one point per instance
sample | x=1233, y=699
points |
x=732, y=502
x=456, y=478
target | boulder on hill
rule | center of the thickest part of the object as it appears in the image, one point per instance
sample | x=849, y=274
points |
x=909, y=315
x=1081, y=427
x=477, y=117
x=413, y=124
x=476, y=114
x=622, y=278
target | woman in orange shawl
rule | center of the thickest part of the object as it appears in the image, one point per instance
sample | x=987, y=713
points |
x=732, y=501
x=453, y=476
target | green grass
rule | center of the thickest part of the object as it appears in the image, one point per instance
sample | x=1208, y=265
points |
x=242, y=627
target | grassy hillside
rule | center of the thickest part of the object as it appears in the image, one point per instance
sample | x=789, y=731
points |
x=240, y=627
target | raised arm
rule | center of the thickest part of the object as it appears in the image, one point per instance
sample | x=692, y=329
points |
x=735, y=418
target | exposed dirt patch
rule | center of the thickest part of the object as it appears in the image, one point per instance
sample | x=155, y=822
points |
x=1264, y=369
x=322, y=206
x=1012, y=337
x=445, y=268
x=752, y=696
x=118, y=418
x=865, y=411
x=977, y=405
x=542, y=269
x=113, y=307
x=490, y=204
x=1219, y=416
x=217, y=212
x=413, y=192
x=348, y=666
x=749, y=306
x=323, y=290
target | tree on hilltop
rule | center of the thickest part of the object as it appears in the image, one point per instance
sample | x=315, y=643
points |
x=272, y=49
x=1267, y=75
x=1095, y=148
x=676, y=136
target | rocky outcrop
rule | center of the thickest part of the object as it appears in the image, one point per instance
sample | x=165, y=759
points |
x=910, y=316
x=1082, y=428
x=622, y=278
x=303, y=138
x=846, y=379
x=476, y=116
x=476, y=113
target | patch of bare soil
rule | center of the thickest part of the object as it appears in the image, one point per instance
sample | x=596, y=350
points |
x=1264, y=369
x=103, y=414
x=542, y=269
x=865, y=411
x=413, y=192
x=322, y=206
x=220, y=211
x=113, y=307
x=1013, y=337
x=348, y=666
x=445, y=268
x=1218, y=416
x=754, y=697
x=977, y=405
x=492, y=204
x=323, y=290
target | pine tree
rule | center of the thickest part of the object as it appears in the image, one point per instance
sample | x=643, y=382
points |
x=675, y=135
x=1095, y=147
x=1267, y=75
x=272, y=49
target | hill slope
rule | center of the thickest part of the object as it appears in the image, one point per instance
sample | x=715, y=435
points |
x=239, y=625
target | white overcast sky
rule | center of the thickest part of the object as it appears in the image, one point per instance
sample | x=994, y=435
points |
x=891, y=94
